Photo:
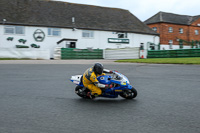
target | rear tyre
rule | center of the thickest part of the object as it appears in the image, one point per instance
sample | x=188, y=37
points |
x=81, y=91
x=129, y=94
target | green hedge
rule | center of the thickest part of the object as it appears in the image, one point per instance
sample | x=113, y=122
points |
x=173, y=53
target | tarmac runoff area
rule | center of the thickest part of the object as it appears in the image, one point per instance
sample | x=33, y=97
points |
x=40, y=98
x=57, y=61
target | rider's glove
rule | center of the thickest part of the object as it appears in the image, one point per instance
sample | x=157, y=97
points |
x=108, y=86
x=111, y=72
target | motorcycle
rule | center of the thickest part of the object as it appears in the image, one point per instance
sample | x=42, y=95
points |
x=120, y=83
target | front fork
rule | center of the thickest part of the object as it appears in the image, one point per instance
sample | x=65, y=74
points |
x=127, y=92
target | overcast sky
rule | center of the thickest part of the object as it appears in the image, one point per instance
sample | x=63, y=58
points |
x=144, y=9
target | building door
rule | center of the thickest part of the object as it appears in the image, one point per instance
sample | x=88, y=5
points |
x=72, y=45
x=67, y=43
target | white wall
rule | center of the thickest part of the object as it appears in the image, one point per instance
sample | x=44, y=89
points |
x=48, y=43
x=138, y=39
x=24, y=53
x=100, y=39
x=166, y=47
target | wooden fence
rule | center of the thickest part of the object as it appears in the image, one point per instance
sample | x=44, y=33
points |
x=72, y=53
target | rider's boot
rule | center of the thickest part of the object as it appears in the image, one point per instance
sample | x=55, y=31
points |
x=91, y=96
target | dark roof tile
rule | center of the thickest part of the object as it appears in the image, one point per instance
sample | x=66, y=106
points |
x=59, y=14
x=171, y=18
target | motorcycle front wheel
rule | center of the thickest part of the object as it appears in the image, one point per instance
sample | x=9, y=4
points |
x=129, y=93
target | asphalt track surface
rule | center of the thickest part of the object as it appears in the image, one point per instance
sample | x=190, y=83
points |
x=39, y=98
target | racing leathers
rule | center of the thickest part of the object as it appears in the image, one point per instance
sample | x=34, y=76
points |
x=90, y=81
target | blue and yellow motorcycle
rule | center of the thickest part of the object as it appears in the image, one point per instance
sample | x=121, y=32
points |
x=120, y=83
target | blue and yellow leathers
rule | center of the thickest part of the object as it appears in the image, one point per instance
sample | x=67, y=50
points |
x=90, y=81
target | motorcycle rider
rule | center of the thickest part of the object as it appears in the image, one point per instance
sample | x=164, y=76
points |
x=90, y=79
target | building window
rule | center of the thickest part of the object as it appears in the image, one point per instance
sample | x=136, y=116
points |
x=122, y=35
x=196, y=32
x=181, y=30
x=54, y=32
x=154, y=28
x=170, y=29
x=170, y=44
x=19, y=30
x=87, y=34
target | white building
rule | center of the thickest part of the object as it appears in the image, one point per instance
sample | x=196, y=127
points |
x=43, y=25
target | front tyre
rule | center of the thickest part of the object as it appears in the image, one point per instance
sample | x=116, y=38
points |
x=129, y=93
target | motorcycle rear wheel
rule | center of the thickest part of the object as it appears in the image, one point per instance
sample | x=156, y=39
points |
x=129, y=94
x=79, y=91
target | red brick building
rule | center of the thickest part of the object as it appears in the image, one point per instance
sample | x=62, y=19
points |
x=173, y=28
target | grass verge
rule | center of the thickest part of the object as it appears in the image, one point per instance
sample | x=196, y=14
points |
x=195, y=60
